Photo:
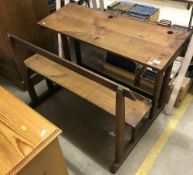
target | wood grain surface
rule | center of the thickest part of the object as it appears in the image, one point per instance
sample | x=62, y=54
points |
x=88, y=89
x=23, y=133
x=20, y=18
x=145, y=43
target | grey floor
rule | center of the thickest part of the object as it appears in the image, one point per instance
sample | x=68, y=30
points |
x=86, y=141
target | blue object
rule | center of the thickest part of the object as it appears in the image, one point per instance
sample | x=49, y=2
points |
x=151, y=75
x=121, y=62
x=143, y=10
x=138, y=16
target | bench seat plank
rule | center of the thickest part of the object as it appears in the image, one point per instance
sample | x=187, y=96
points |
x=89, y=90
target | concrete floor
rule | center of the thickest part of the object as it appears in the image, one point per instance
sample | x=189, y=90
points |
x=86, y=143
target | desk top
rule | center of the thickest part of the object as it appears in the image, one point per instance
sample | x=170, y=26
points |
x=145, y=43
x=23, y=133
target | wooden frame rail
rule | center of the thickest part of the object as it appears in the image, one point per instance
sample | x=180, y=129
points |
x=83, y=71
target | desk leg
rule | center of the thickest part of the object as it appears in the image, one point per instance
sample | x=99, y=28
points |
x=166, y=80
x=120, y=125
x=66, y=47
x=156, y=93
x=77, y=51
x=189, y=5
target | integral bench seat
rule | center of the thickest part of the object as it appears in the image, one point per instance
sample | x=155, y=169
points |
x=95, y=93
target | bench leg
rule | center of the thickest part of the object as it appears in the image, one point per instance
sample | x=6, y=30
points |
x=50, y=85
x=166, y=79
x=188, y=6
x=120, y=126
x=119, y=130
x=30, y=87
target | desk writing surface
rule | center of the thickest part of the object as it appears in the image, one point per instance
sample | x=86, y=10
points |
x=139, y=41
x=23, y=133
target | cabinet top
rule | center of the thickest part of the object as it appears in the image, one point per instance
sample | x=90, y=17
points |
x=23, y=133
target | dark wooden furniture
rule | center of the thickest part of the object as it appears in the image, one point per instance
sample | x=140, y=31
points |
x=28, y=142
x=91, y=91
x=20, y=17
x=147, y=44
x=134, y=40
x=127, y=107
